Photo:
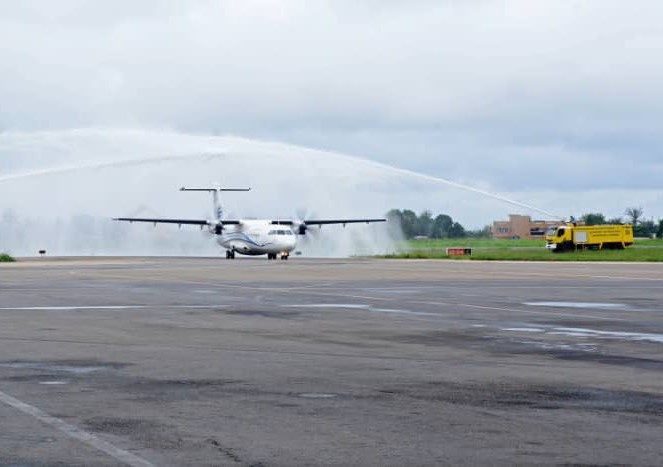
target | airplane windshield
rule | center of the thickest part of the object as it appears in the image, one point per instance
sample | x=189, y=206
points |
x=280, y=232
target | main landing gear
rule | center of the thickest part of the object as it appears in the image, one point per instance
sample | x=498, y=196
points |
x=230, y=254
x=284, y=256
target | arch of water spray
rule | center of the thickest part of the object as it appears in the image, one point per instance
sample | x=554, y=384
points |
x=65, y=185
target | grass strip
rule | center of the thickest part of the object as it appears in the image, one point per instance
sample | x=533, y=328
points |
x=518, y=250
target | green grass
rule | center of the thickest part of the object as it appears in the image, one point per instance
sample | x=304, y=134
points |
x=444, y=243
x=527, y=250
x=5, y=258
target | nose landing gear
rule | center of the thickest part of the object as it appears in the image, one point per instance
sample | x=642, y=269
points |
x=230, y=254
x=271, y=256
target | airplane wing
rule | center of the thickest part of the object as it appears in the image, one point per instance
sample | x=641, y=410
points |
x=175, y=221
x=326, y=221
x=340, y=221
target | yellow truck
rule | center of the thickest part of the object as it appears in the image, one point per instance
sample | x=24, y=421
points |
x=568, y=237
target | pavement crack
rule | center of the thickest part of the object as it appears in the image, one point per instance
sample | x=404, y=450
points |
x=228, y=452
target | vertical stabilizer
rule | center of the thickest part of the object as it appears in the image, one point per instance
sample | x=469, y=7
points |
x=218, y=210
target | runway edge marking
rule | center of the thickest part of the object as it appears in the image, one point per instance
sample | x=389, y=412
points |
x=75, y=432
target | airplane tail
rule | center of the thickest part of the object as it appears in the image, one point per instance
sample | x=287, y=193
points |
x=218, y=210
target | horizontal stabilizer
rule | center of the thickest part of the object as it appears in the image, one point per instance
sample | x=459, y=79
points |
x=212, y=190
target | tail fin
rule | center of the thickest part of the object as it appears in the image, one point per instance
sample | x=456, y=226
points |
x=218, y=211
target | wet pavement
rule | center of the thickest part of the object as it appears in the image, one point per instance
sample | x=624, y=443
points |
x=180, y=361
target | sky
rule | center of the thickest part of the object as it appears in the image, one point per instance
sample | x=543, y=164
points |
x=553, y=103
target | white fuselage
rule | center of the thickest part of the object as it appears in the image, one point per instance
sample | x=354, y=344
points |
x=258, y=237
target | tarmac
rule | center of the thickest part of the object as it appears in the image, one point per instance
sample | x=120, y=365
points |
x=204, y=361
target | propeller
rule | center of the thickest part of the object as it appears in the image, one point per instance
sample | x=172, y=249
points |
x=299, y=225
x=212, y=228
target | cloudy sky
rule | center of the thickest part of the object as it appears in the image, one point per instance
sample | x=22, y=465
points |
x=546, y=101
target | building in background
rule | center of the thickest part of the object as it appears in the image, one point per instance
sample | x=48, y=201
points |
x=521, y=227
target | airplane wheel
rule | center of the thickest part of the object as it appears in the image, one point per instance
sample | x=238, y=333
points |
x=227, y=254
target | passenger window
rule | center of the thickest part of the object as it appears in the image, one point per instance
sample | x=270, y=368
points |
x=560, y=232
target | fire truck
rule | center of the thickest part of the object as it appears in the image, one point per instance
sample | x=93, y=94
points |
x=571, y=237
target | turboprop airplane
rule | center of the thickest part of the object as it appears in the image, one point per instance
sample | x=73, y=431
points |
x=273, y=237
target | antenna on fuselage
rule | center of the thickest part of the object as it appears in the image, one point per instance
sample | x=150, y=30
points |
x=218, y=211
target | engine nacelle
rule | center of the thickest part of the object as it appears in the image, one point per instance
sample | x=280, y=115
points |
x=302, y=228
x=218, y=229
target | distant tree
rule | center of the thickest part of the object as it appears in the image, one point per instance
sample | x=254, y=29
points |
x=441, y=226
x=634, y=215
x=593, y=218
x=660, y=228
x=456, y=231
x=645, y=229
x=425, y=223
x=615, y=220
x=485, y=232
x=409, y=223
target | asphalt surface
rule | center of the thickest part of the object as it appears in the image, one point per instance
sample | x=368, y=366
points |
x=180, y=361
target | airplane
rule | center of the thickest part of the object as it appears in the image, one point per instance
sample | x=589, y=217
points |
x=273, y=237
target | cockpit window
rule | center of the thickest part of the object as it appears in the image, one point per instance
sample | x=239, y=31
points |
x=280, y=232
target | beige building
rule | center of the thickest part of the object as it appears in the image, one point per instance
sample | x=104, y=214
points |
x=521, y=227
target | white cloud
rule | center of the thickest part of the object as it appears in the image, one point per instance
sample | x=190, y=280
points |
x=513, y=95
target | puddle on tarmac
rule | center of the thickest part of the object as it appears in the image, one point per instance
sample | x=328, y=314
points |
x=631, y=336
x=560, y=346
x=317, y=395
x=75, y=369
x=591, y=333
x=358, y=306
x=583, y=305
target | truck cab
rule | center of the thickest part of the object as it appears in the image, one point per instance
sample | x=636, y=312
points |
x=560, y=238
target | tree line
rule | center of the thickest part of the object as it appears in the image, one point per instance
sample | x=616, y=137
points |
x=634, y=216
x=425, y=225
x=443, y=226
